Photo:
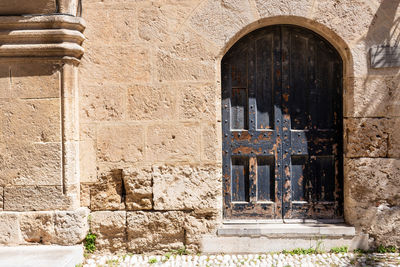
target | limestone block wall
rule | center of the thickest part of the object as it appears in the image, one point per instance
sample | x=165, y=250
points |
x=150, y=120
x=133, y=133
x=39, y=174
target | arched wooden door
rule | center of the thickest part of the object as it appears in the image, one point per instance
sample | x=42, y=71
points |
x=282, y=126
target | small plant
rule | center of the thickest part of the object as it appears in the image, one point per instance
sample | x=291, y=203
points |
x=90, y=242
x=318, y=247
x=360, y=251
x=343, y=249
x=388, y=249
x=180, y=251
x=79, y=265
x=168, y=255
x=299, y=251
x=152, y=260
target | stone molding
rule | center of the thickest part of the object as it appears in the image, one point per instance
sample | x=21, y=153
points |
x=41, y=36
x=20, y=7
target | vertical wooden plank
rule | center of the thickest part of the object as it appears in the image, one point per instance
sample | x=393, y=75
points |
x=239, y=108
x=253, y=179
x=298, y=87
x=326, y=174
x=240, y=179
x=321, y=95
x=252, y=85
x=238, y=61
x=299, y=178
x=265, y=178
x=264, y=57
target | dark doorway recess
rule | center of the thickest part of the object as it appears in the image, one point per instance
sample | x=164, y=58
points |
x=282, y=126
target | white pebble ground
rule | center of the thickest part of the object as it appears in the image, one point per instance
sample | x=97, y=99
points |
x=277, y=260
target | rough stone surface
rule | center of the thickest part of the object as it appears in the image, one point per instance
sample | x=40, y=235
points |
x=107, y=193
x=384, y=227
x=197, y=103
x=177, y=69
x=188, y=44
x=101, y=22
x=375, y=96
x=170, y=142
x=120, y=143
x=151, y=103
x=110, y=229
x=197, y=224
x=26, y=198
x=186, y=187
x=157, y=21
x=349, y=19
x=102, y=104
x=85, y=195
x=99, y=64
x=37, y=227
x=281, y=7
x=18, y=7
x=373, y=197
x=209, y=142
x=366, y=137
x=23, y=163
x=88, y=159
x=166, y=230
x=9, y=228
x=373, y=180
x=394, y=138
x=1, y=198
x=221, y=20
x=34, y=120
x=38, y=79
x=71, y=227
x=138, y=187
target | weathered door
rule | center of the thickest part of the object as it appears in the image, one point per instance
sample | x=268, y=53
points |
x=282, y=126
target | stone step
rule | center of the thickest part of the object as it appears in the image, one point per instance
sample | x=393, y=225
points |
x=260, y=238
x=41, y=255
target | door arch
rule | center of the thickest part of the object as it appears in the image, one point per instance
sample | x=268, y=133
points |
x=282, y=126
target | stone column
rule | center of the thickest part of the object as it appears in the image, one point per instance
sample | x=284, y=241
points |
x=39, y=122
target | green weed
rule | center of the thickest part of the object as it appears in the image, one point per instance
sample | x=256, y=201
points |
x=343, y=249
x=90, y=242
x=152, y=260
x=180, y=251
x=300, y=251
x=360, y=251
x=388, y=249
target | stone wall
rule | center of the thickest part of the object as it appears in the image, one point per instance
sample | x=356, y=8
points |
x=147, y=117
x=150, y=93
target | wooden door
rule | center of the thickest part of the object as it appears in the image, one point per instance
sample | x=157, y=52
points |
x=282, y=126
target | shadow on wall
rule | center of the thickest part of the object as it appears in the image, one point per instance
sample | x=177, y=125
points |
x=381, y=92
x=384, y=30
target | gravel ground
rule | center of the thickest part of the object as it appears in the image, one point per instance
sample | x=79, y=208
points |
x=277, y=260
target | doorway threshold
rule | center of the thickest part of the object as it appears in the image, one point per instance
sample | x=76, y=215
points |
x=265, y=236
x=285, y=221
x=270, y=229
